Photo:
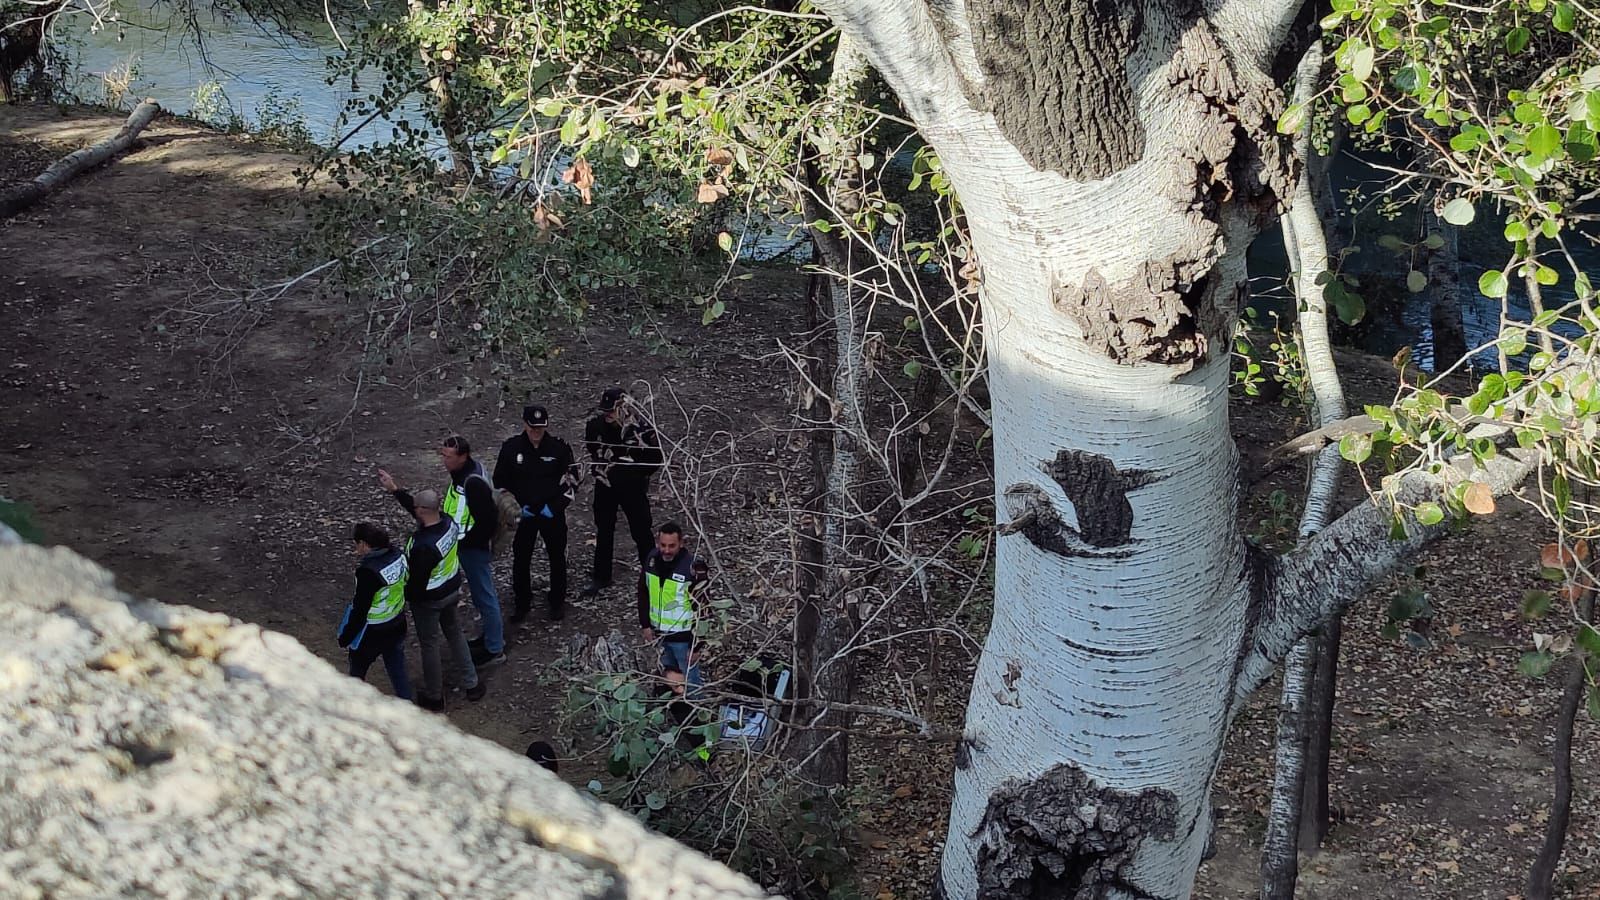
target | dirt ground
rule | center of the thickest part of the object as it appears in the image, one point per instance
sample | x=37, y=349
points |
x=232, y=486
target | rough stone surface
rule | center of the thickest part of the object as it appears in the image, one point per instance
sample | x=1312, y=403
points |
x=153, y=750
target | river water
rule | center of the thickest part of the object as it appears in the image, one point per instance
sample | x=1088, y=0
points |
x=260, y=76
x=236, y=67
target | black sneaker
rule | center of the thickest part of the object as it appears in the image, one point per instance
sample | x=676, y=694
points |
x=475, y=644
x=431, y=704
x=476, y=693
x=595, y=587
x=483, y=659
x=518, y=617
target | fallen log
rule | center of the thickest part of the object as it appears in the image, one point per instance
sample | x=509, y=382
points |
x=77, y=162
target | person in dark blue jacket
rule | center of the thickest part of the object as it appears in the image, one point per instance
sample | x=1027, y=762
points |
x=373, y=627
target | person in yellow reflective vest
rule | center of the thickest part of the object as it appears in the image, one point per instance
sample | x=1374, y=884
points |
x=469, y=501
x=670, y=585
x=432, y=590
x=373, y=627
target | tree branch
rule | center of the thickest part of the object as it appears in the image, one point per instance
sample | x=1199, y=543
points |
x=1325, y=575
x=902, y=41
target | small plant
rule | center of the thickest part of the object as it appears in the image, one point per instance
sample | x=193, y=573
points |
x=282, y=120
x=116, y=81
x=213, y=106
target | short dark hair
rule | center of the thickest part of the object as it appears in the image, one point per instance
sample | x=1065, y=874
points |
x=459, y=444
x=371, y=535
x=543, y=754
x=671, y=527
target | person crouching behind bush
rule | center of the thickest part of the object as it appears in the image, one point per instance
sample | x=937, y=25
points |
x=373, y=627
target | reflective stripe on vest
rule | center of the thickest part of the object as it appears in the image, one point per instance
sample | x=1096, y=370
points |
x=449, y=563
x=455, y=499
x=671, y=607
x=391, y=598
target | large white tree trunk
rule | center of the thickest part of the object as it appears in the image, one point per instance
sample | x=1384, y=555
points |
x=1113, y=162
x=1111, y=270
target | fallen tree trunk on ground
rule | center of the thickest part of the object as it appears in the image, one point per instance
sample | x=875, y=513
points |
x=164, y=751
x=79, y=161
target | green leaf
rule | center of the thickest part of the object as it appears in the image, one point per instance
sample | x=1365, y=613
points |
x=1393, y=242
x=1356, y=448
x=1589, y=640
x=1358, y=113
x=1516, y=231
x=1492, y=283
x=912, y=369
x=1535, y=604
x=1535, y=663
x=725, y=241
x=1517, y=40
x=1546, y=275
x=655, y=801
x=1409, y=78
x=1465, y=142
x=1429, y=514
x=1361, y=63
x=1434, y=241
x=1292, y=120
x=1458, y=212
x=549, y=106
x=1544, y=140
x=1416, y=282
x=1563, y=19
x=1513, y=341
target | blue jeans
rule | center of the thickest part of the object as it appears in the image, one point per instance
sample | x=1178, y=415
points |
x=478, y=565
x=676, y=654
x=391, y=648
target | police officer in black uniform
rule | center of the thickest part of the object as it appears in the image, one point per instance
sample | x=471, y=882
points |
x=539, y=470
x=624, y=451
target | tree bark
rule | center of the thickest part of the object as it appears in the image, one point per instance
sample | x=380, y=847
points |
x=1541, y=877
x=79, y=161
x=828, y=617
x=1306, y=243
x=1444, y=293
x=1315, y=809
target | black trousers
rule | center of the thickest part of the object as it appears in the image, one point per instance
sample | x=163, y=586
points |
x=634, y=501
x=554, y=532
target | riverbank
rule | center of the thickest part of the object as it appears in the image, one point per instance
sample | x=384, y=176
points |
x=210, y=443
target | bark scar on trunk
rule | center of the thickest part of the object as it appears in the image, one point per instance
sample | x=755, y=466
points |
x=1063, y=836
x=1166, y=314
x=1035, y=516
x=1099, y=496
x=1056, y=80
x=1233, y=167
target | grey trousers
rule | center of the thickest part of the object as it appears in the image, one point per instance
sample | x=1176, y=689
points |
x=437, y=625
